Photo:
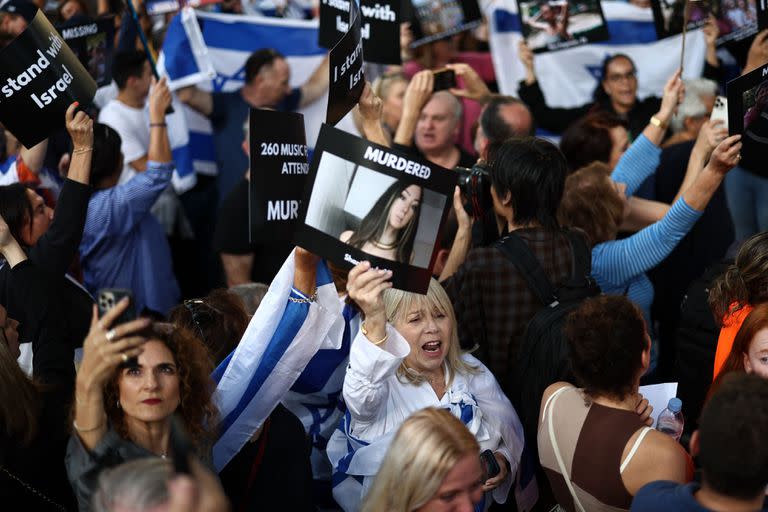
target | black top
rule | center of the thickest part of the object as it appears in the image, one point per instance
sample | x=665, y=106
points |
x=40, y=464
x=465, y=159
x=273, y=472
x=53, y=253
x=231, y=236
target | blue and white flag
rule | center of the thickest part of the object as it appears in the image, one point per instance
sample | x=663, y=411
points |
x=213, y=57
x=569, y=77
x=280, y=341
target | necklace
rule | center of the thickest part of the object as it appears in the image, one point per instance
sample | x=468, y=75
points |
x=382, y=246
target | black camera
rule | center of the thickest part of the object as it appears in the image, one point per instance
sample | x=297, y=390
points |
x=475, y=184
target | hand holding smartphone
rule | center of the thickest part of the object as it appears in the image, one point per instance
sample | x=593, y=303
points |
x=490, y=465
x=720, y=111
x=444, y=79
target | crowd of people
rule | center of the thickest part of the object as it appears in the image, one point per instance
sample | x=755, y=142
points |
x=628, y=247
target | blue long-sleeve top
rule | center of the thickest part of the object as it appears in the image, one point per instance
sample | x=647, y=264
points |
x=619, y=266
x=123, y=246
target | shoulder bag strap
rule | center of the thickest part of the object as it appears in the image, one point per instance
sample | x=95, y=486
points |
x=556, y=449
x=518, y=252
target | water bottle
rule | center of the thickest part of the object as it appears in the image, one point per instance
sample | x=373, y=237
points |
x=671, y=419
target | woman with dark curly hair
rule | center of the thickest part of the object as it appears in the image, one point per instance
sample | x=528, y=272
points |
x=595, y=441
x=389, y=228
x=132, y=380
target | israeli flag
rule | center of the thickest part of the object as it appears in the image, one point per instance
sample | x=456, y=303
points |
x=281, y=340
x=568, y=77
x=210, y=50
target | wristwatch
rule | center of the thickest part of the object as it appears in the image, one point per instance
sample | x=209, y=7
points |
x=655, y=121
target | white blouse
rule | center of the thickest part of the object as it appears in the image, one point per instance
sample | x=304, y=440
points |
x=378, y=402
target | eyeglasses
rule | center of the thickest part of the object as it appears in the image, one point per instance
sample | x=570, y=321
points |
x=201, y=312
x=619, y=77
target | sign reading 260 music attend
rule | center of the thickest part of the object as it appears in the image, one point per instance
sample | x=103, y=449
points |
x=40, y=77
x=278, y=148
x=380, y=27
x=364, y=201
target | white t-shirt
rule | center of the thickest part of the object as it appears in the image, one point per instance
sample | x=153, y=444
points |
x=132, y=124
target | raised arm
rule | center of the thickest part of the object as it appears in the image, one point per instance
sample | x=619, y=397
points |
x=417, y=94
x=80, y=128
x=369, y=108
x=34, y=157
x=9, y=247
x=317, y=84
x=196, y=99
x=159, y=145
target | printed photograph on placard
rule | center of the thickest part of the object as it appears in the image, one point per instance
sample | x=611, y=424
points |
x=437, y=19
x=400, y=223
x=669, y=15
x=93, y=43
x=748, y=115
x=166, y=6
x=549, y=25
x=755, y=105
x=368, y=202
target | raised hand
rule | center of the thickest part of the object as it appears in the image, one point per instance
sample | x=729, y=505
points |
x=474, y=87
x=80, y=128
x=369, y=104
x=674, y=92
x=726, y=155
x=365, y=286
x=159, y=100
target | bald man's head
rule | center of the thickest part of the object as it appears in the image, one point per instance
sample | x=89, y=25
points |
x=503, y=117
x=438, y=123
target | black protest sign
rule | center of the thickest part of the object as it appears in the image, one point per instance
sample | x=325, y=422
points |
x=379, y=22
x=346, y=71
x=549, y=25
x=748, y=115
x=278, y=148
x=94, y=44
x=368, y=202
x=735, y=20
x=40, y=77
x=437, y=19
x=762, y=14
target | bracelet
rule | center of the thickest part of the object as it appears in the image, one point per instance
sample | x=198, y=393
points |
x=78, y=151
x=301, y=300
x=80, y=429
x=364, y=330
x=655, y=121
x=160, y=125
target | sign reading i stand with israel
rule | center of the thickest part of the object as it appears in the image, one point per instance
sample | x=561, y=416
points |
x=568, y=77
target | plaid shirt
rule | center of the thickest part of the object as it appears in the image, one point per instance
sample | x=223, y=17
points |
x=492, y=300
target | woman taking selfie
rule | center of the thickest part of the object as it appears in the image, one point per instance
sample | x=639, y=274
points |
x=406, y=357
x=389, y=228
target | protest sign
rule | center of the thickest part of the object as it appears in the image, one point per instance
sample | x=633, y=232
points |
x=278, y=150
x=166, y=6
x=379, y=27
x=437, y=19
x=94, y=44
x=347, y=79
x=368, y=202
x=736, y=20
x=549, y=25
x=762, y=14
x=748, y=115
x=40, y=77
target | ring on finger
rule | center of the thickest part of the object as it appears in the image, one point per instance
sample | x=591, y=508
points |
x=111, y=335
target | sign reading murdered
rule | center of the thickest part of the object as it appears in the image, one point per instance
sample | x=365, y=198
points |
x=40, y=77
x=549, y=25
x=346, y=69
x=94, y=44
x=379, y=27
x=369, y=202
x=278, y=148
x=437, y=19
x=748, y=115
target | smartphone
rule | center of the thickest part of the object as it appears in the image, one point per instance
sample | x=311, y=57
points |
x=107, y=298
x=490, y=465
x=180, y=446
x=444, y=79
x=720, y=111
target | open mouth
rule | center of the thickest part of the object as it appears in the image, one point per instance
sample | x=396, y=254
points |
x=432, y=347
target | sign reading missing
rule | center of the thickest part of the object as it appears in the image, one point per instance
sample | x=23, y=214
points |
x=278, y=149
x=347, y=79
x=368, y=202
x=40, y=77
x=380, y=27
x=94, y=44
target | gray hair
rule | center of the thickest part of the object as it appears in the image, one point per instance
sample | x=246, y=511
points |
x=136, y=485
x=251, y=294
x=701, y=87
x=692, y=106
x=453, y=100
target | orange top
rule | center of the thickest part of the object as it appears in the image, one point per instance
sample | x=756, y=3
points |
x=731, y=325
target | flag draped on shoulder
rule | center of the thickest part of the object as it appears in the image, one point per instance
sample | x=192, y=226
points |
x=569, y=77
x=281, y=339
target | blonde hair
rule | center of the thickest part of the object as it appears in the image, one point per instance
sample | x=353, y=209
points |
x=397, y=304
x=426, y=447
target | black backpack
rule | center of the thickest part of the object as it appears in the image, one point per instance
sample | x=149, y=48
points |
x=543, y=352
